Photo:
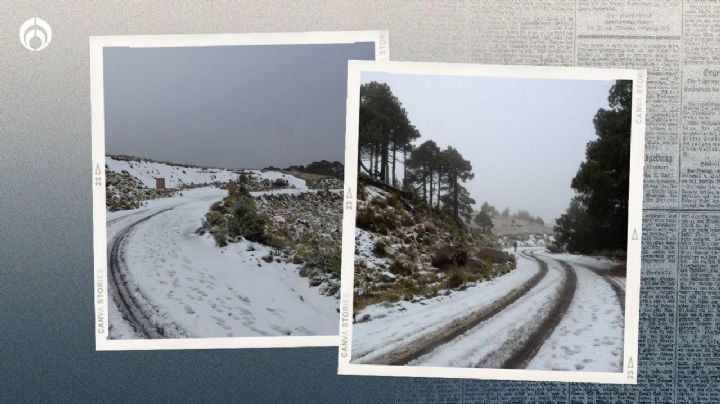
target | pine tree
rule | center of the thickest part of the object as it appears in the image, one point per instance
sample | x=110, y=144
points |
x=384, y=131
x=420, y=167
x=599, y=213
x=464, y=205
x=458, y=170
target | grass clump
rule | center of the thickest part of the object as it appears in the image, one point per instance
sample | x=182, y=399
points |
x=321, y=265
x=380, y=248
x=401, y=266
x=455, y=279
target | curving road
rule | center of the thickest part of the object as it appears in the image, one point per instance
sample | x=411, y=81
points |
x=168, y=282
x=431, y=342
x=540, y=323
x=128, y=298
x=134, y=306
x=522, y=356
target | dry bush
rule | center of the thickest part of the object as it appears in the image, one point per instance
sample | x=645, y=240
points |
x=402, y=267
x=380, y=248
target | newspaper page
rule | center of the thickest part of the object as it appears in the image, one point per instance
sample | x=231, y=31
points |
x=679, y=45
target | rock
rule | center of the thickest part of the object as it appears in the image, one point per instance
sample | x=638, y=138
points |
x=475, y=265
x=449, y=254
x=364, y=318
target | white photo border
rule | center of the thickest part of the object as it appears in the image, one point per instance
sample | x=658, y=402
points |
x=632, y=294
x=100, y=286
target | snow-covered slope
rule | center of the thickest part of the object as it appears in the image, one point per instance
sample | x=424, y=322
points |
x=293, y=182
x=175, y=175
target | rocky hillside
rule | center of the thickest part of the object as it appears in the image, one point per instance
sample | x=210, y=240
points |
x=123, y=191
x=317, y=181
x=404, y=250
x=306, y=229
x=303, y=226
x=176, y=175
x=131, y=180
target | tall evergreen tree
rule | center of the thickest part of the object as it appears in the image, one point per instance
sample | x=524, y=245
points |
x=384, y=130
x=602, y=181
x=420, y=166
x=458, y=170
x=464, y=205
x=576, y=229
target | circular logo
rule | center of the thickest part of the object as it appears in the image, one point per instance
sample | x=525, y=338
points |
x=35, y=34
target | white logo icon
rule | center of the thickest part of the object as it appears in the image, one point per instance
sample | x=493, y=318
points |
x=35, y=34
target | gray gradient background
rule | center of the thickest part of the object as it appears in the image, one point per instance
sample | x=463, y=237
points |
x=47, y=347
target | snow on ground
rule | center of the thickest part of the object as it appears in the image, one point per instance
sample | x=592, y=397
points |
x=595, y=262
x=117, y=220
x=209, y=291
x=590, y=335
x=364, y=245
x=294, y=182
x=175, y=176
x=394, y=325
x=600, y=265
x=373, y=192
x=153, y=205
x=491, y=342
x=118, y=328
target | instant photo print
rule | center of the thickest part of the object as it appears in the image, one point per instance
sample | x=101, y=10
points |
x=217, y=187
x=492, y=222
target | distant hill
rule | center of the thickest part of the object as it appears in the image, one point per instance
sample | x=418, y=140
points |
x=513, y=226
x=333, y=169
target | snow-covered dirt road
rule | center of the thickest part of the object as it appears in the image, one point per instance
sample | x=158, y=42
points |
x=169, y=282
x=546, y=314
x=590, y=335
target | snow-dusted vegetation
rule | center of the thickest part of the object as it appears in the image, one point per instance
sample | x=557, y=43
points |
x=220, y=253
x=301, y=225
x=407, y=251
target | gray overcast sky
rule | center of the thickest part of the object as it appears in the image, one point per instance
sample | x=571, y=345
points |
x=525, y=138
x=247, y=106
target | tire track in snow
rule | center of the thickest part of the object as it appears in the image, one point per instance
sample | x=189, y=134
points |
x=427, y=343
x=131, y=302
x=117, y=219
x=619, y=290
x=616, y=286
x=521, y=357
